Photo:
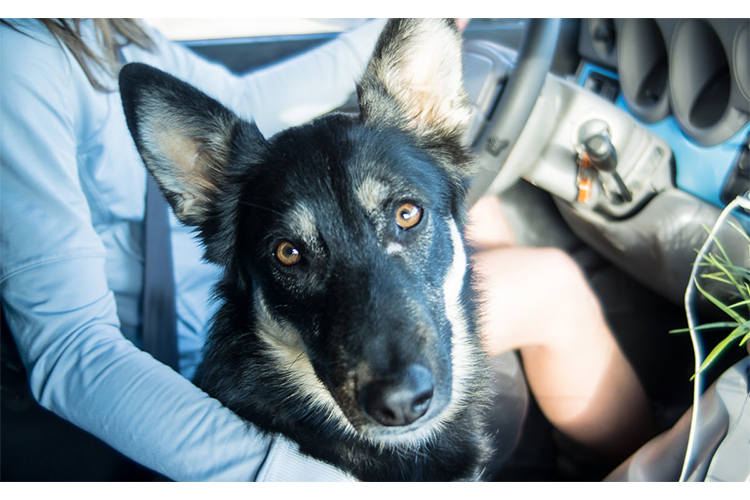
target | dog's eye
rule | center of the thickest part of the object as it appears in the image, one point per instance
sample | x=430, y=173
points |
x=287, y=253
x=408, y=215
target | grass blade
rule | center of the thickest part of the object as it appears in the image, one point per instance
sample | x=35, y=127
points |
x=738, y=332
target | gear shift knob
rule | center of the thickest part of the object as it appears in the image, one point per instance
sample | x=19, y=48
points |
x=601, y=152
x=602, y=155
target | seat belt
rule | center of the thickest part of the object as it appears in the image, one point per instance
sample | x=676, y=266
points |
x=159, y=326
x=159, y=318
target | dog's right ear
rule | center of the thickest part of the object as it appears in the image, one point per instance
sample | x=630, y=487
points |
x=415, y=80
x=185, y=138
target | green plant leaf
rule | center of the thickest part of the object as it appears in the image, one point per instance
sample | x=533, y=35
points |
x=732, y=314
x=725, y=269
x=725, y=272
x=739, y=229
x=707, y=326
x=740, y=304
x=738, y=332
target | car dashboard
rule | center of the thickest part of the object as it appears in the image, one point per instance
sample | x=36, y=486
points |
x=687, y=81
x=672, y=99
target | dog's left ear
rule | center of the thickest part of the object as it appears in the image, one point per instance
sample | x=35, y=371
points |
x=186, y=140
x=415, y=78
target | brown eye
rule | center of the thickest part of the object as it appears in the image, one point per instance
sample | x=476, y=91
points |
x=408, y=215
x=287, y=253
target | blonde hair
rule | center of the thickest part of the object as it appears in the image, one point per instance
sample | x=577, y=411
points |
x=68, y=32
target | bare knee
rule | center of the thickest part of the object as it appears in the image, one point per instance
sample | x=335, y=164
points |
x=573, y=310
x=560, y=278
x=533, y=296
x=565, y=311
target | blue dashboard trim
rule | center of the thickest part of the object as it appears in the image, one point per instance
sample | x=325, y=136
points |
x=701, y=171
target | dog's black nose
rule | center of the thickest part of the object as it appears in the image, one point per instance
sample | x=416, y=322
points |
x=399, y=400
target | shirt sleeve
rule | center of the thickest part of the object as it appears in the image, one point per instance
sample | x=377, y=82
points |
x=63, y=315
x=284, y=94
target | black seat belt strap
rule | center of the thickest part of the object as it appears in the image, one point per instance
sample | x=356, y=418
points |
x=159, y=328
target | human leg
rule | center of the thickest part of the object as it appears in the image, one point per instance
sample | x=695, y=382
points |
x=538, y=301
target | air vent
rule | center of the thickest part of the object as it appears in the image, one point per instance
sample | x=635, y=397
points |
x=701, y=84
x=742, y=59
x=644, y=68
x=603, y=36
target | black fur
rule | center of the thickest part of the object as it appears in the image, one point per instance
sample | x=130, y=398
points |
x=294, y=349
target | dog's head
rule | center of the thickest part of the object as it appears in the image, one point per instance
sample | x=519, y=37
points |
x=341, y=238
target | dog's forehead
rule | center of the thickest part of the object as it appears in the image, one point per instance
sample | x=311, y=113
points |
x=335, y=170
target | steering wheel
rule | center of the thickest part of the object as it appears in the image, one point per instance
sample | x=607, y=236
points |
x=512, y=111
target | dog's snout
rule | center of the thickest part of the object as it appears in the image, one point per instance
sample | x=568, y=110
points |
x=399, y=400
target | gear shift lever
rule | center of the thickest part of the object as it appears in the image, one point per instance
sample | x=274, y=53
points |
x=602, y=155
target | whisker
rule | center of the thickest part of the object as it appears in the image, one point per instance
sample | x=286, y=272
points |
x=260, y=207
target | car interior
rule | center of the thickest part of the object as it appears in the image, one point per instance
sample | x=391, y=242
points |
x=619, y=141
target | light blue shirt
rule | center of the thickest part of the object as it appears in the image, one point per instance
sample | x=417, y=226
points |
x=72, y=190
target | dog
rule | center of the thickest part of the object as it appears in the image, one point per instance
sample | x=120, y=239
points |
x=348, y=317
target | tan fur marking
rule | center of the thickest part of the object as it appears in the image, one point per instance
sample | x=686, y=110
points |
x=371, y=194
x=189, y=155
x=285, y=344
x=180, y=151
x=301, y=222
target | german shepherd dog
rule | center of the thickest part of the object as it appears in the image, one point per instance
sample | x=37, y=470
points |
x=348, y=319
